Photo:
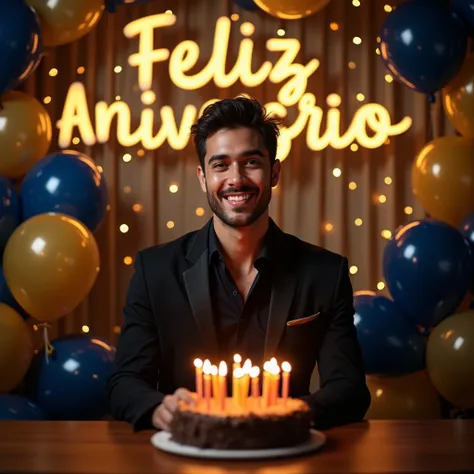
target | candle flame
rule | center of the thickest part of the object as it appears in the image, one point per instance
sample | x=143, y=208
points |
x=237, y=358
x=254, y=372
x=222, y=369
x=207, y=366
x=267, y=366
x=247, y=366
x=273, y=361
x=197, y=363
x=214, y=370
x=238, y=373
x=286, y=367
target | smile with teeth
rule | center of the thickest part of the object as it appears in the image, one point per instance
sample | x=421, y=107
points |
x=238, y=198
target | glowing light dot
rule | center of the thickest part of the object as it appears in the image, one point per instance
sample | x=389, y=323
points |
x=386, y=234
x=353, y=269
x=354, y=147
x=199, y=211
x=170, y=224
x=85, y=328
x=247, y=28
x=352, y=65
x=81, y=70
x=101, y=170
x=357, y=40
x=53, y=72
x=360, y=97
x=333, y=100
x=127, y=157
x=169, y=12
x=377, y=51
x=382, y=198
x=387, y=8
x=148, y=97
x=127, y=189
x=116, y=329
x=387, y=141
x=356, y=3
x=234, y=17
x=334, y=26
x=117, y=69
x=329, y=227
x=117, y=97
x=174, y=188
x=124, y=228
x=388, y=180
x=281, y=32
x=352, y=185
x=388, y=78
x=358, y=222
x=128, y=260
x=47, y=99
x=380, y=285
x=408, y=210
x=137, y=207
x=141, y=152
x=337, y=172
x=76, y=140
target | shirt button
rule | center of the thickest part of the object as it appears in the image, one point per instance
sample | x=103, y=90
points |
x=234, y=293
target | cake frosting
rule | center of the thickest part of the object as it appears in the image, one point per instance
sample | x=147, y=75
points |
x=232, y=426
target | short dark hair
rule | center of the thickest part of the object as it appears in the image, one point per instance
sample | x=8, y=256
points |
x=235, y=113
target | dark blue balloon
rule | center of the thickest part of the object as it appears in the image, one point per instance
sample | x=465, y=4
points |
x=467, y=231
x=249, y=5
x=66, y=182
x=16, y=407
x=423, y=44
x=465, y=9
x=427, y=269
x=21, y=43
x=10, y=211
x=390, y=344
x=7, y=297
x=72, y=386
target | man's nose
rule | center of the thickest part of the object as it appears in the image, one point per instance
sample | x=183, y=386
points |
x=236, y=174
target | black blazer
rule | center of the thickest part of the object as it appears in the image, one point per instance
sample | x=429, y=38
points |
x=168, y=322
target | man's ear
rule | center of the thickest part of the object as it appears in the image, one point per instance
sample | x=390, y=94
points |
x=276, y=169
x=202, y=178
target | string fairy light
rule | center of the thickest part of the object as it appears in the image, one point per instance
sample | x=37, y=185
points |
x=352, y=185
x=334, y=26
x=170, y=224
x=358, y=222
x=128, y=260
x=199, y=212
x=53, y=72
x=337, y=172
x=281, y=32
x=174, y=188
x=388, y=180
x=124, y=228
x=386, y=234
x=408, y=210
x=380, y=285
x=353, y=269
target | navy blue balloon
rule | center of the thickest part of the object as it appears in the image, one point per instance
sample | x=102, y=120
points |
x=467, y=230
x=21, y=43
x=427, y=268
x=423, y=44
x=73, y=385
x=10, y=211
x=16, y=407
x=465, y=9
x=66, y=182
x=390, y=344
x=7, y=297
x=249, y=5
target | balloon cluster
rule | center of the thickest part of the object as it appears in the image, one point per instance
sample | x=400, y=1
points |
x=418, y=345
x=50, y=207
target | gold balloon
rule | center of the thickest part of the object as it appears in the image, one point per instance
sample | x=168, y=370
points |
x=450, y=356
x=50, y=264
x=25, y=134
x=458, y=99
x=16, y=348
x=64, y=21
x=405, y=397
x=443, y=178
x=291, y=10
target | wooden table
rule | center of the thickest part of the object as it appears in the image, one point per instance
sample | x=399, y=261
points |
x=110, y=447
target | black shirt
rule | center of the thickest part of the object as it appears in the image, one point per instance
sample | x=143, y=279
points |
x=240, y=325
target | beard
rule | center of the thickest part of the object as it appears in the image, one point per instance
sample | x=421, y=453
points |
x=240, y=216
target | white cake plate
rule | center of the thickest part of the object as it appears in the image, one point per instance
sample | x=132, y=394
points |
x=162, y=440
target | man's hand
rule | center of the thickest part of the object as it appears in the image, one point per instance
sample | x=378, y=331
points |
x=163, y=413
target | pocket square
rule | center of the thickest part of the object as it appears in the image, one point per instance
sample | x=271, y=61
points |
x=306, y=319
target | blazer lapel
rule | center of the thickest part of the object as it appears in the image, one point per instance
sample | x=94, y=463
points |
x=196, y=281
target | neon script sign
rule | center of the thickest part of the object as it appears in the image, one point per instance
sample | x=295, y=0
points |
x=321, y=132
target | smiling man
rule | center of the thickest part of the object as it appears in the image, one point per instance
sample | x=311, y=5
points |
x=238, y=285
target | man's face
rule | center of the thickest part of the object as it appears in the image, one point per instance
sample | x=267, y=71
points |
x=238, y=179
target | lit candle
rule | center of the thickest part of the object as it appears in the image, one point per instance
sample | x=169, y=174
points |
x=198, y=365
x=207, y=383
x=222, y=384
x=246, y=379
x=266, y=384
x=254, y=373
x=237, y=395
x=235, y=366
x=215, y=384
x=286, y=369
x=275, y=384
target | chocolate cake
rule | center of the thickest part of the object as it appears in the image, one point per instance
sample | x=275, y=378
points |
x=283, y=424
